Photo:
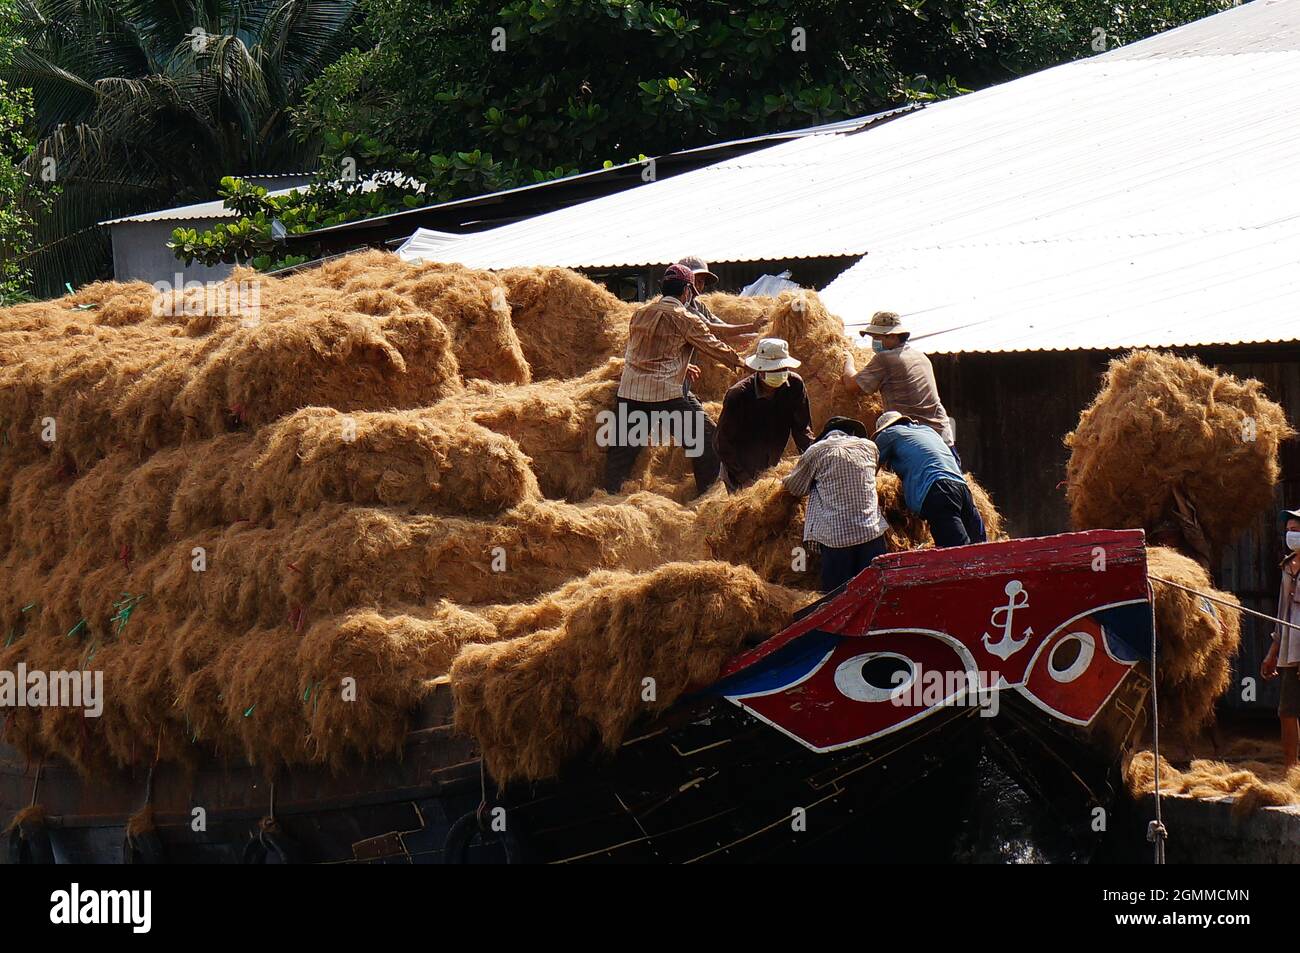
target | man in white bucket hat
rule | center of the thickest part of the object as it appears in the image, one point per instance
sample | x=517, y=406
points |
x=761, y=413
x=902, y=374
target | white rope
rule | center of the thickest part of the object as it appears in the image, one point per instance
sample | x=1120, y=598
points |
x=1224, y=602
x=1156, y=832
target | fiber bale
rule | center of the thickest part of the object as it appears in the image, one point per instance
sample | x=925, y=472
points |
x=736, y=309
x=324, y=563
x=818, y=339
x=554, y=423
x=1163, y=423
x=537, y=701
x=473, y=305
x=568, y=325
x=417, y=460
x=392, y=660
x=733, y=309
x=1197, y=640
x=345, y=361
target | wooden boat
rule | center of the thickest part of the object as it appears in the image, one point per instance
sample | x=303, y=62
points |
x=838, y=737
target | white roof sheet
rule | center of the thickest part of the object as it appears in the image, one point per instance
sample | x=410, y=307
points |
x=1143, y=196
x=427, y=244
x=199, y=210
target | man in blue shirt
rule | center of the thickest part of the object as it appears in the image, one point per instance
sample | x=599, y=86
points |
x=933, y=485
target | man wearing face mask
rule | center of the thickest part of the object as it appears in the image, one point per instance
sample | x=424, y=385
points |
x=761, y=413
x=903, y=375
x=1283, y=658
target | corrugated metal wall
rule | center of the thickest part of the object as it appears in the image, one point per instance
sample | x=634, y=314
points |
x=1013, y=410
x=140, y=253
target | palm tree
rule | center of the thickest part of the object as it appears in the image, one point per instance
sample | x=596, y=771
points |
x=144, y=104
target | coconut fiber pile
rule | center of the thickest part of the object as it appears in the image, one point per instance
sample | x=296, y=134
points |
x=274, y=515
x=1170, y=442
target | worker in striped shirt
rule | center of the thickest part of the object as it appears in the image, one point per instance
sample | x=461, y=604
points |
x=838, y=475
x=652, y=408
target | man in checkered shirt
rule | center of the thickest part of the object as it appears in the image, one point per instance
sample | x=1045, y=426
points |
x=838, y=475
x=661, y=339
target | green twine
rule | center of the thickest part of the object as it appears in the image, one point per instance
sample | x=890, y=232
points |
x=124, y=609
x=76, y=628
x=26, y=607
x=249, y=713
x=78, y=307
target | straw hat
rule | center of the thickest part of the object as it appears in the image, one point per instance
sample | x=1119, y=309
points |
x=700, y=269
x=888, y=419
x=885, y=322
x=772, y=354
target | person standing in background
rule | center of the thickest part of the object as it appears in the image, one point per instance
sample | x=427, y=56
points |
x=1283, y=658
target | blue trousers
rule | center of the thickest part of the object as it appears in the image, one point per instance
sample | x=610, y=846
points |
x=840, y=564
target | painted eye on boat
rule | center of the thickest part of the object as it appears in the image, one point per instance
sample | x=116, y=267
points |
x=1071, y=656
x=875, y=676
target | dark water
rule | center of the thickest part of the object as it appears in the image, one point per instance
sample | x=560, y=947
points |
x=1004, y=826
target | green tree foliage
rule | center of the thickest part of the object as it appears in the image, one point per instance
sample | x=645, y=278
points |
x=545, y=87
x=143, y=105
x=552, y=86
x=15, y=221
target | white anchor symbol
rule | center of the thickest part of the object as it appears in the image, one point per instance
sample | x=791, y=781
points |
x=1007, y=646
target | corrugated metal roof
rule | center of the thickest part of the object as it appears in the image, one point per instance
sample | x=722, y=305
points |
x=1143, y=196
x=426, y=244
x=527, y=201
x=199, y=210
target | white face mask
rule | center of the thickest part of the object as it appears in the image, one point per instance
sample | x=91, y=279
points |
x=775, y=378
x=1293, y=541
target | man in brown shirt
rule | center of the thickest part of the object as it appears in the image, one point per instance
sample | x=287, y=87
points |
x=902, y=374
x=651, y=408
x=761, y=414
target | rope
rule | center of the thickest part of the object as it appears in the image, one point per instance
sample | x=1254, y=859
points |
x=1156, y=831
x=1225, y=602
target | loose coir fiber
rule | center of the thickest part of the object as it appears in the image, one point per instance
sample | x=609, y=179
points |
x=1163, y=423
x=391, y=473
x=1251, y=783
